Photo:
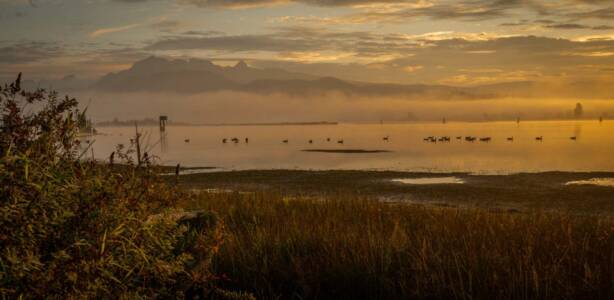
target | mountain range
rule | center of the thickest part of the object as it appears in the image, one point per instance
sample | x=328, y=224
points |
x=156, y=74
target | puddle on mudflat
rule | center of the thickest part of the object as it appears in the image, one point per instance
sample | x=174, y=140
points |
x=593, y=181
x=430, y=180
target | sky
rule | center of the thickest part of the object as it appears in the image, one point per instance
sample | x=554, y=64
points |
x=460, y=43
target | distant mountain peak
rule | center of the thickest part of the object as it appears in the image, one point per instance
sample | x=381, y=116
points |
x=188, y=75
x=150, y=61
x=241, y=65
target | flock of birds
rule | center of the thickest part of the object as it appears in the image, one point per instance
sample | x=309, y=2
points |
x=285, y=141
x=234, y=140
x=435, y=139
x=431, y=139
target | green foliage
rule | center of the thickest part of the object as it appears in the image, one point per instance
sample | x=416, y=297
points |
x=71, y=228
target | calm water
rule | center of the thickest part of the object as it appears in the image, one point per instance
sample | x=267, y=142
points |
x=592, y=151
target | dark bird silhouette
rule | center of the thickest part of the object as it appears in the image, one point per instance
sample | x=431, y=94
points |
x=511, y=138
x=187, y=140
x=285, y=141
x=485, y=139
x=340, y=141
x=311, y=141
x=246, y=140
x=224, y=141
x=539, y=138
x=573, y=138
x=386, y=138
x=328, y=139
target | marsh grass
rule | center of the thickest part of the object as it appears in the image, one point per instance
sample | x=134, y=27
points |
x=349, y=247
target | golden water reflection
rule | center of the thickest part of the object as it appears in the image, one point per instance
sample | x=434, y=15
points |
x=566, y=146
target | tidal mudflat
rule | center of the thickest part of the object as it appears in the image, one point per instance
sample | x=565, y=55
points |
x=523, y=191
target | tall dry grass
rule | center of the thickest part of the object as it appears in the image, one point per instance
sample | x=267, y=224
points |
x=354, y=248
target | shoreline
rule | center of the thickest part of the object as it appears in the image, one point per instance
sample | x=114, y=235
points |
x=334, y=123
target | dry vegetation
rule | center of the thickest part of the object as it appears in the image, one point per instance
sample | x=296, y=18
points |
x=347, y=247
x=77, y=229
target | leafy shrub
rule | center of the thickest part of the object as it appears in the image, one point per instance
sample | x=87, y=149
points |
x=71, y=228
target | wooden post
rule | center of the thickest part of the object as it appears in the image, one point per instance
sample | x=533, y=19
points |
x=138, y=144
x=163, y=120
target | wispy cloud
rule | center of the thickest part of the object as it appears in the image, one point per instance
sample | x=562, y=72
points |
x=104, y=31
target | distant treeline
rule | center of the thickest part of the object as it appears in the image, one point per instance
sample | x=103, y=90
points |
x=272, y=124
x=143, y=122
x=155, y=122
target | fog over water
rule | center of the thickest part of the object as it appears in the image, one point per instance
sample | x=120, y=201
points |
x=237, y=107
